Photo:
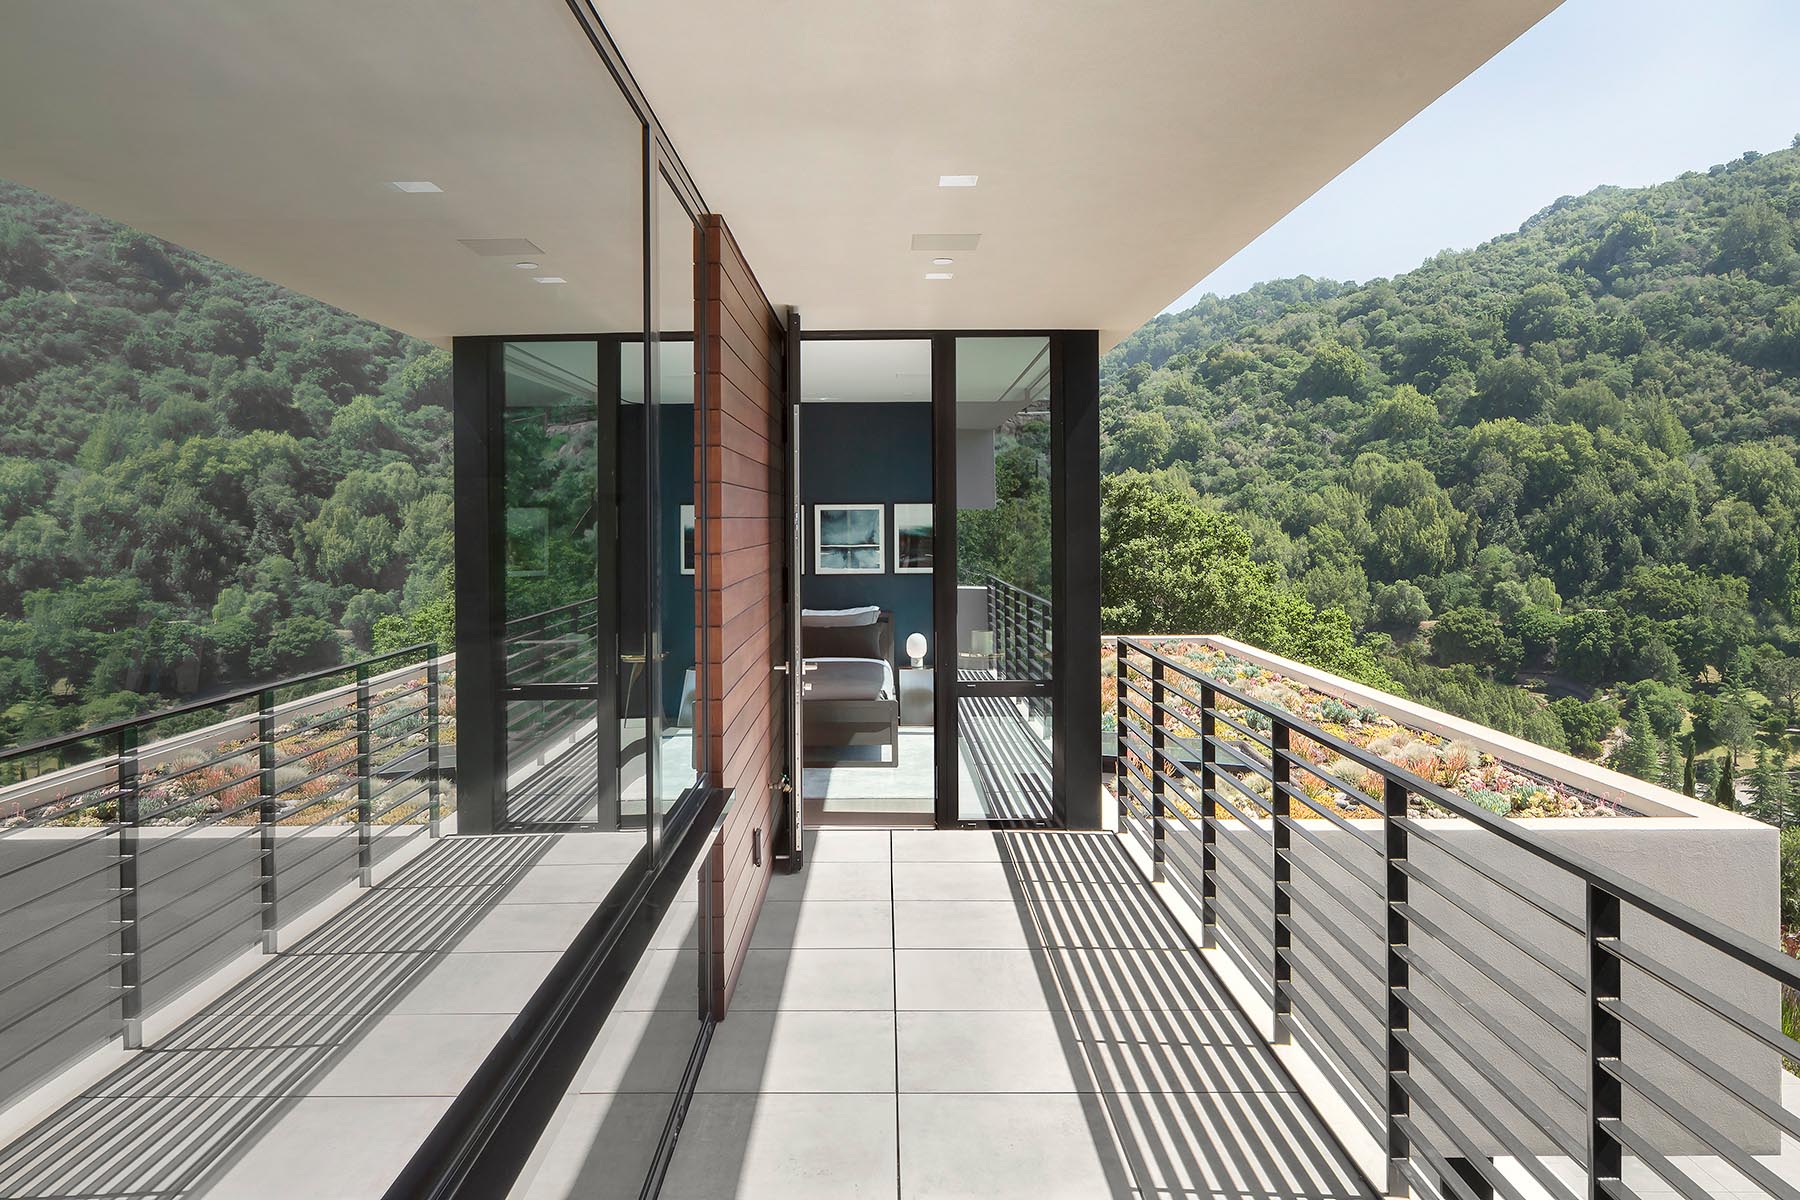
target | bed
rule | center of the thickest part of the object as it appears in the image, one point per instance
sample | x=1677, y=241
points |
x=850, y=698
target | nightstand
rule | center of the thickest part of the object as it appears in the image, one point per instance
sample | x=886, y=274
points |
x=918, y=695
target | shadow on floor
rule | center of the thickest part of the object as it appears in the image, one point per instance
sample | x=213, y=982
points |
x=178, y=1112
x=1195, y=1100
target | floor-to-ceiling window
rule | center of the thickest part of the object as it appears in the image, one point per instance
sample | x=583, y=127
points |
x=1004, y=552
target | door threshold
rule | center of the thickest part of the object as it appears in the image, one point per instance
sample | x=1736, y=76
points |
x=817, y=818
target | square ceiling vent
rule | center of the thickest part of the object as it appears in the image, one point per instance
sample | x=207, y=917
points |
x=500, y=247
x=946, y=241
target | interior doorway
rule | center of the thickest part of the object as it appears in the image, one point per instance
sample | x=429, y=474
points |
x=926, y=522
x=869, y=640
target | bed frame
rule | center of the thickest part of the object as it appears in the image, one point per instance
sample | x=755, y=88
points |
x=835, y=724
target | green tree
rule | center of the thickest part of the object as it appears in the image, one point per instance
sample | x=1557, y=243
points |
x=1637, y=753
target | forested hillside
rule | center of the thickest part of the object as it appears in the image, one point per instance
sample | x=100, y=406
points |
x=205, y=479
x=1564, y=461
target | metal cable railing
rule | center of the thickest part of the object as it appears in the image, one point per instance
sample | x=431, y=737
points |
x=154, y=851
x=1490, y=1004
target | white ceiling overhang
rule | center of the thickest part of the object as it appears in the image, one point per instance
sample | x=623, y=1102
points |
x=1124, y=150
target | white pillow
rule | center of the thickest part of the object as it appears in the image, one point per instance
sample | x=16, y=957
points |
x=838, y=618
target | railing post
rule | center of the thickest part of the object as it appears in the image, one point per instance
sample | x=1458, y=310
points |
x=1209, y=821
x=1280, y=811
x=1399, y=983
x=365, y=784
x=266, y=815
x=1159, y=771
x=131, y=959
x=1605, y=1094
x=433, y=761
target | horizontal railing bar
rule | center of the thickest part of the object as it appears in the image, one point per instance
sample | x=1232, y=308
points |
x=1448, y=1080
x=111, y=1001
x=1368, y=921
x=1530, y=1002
x=64, y=920
x=1366, y=837
x=301, y=756
x=1237, y=757
x=110, y=868
x=314, y=848
x=1670, y=1174
x=109, y=968
x=1352, y=986
x=1254, y=824
x=1702, y=1062
x=1255, y=738
x=1296, y=759
x=1350, y=868
x=283, y=815
x=1470, y=1154
x=1770, y=1035
x=1692, y=1123
x=1327, y=1047
x=96, y=833
x=40, y=970
x=172, y=805
x=152, y=777
x=1519, y=891
x=397, y=781
x=45, y=820
x=1254, y=972
x=1302, y=935
x=1497, y=1028
x=1568, y=975
x=1518, y=1098
x=379, y=813
x=1242, y=822
x=1449, y=1181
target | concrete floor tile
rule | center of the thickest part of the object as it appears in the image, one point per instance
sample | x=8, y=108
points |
x=815, y=979
x=834, y=925
x=1008, y=1147
x=786, y=1147
x=833, y=881
x=801, y=1051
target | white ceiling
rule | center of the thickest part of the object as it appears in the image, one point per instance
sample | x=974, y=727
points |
x=1124, y=150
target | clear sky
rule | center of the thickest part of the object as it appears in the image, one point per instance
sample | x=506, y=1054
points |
x=1627, y=92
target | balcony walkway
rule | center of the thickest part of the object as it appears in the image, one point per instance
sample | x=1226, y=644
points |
x=320, y=1074
x=998, y=1015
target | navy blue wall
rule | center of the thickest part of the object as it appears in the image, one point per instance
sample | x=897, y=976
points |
x=868, y=454
x=676, y=454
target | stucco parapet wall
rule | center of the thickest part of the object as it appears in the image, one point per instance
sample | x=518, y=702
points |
x=1654, y=804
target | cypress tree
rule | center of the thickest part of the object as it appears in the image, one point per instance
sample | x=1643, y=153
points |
x=1725, y=792
x=1687, y=774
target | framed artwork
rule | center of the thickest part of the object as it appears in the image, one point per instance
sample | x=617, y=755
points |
x=688, y=539
x=912, y=539
x=847, y=539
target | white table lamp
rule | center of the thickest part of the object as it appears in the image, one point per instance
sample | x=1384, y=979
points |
x=915, y=648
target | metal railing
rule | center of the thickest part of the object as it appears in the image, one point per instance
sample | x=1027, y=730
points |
x=1023, y=627
x=161, y=846
x=1486, y=1001
x=555, y=647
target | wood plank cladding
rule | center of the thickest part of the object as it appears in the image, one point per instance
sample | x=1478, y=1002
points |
x=741, y=539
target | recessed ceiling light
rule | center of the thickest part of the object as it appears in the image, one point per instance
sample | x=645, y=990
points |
x=939, y=275
x=548, y=279
x=958, y=180
x=415, y=185
x=942, y=262
x=526, y=266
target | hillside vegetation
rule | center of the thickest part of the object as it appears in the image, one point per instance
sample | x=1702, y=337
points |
x=205, y=479
x=1564, y=461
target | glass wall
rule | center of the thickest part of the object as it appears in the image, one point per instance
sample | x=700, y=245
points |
x=1003, y=563
x=677, y=713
